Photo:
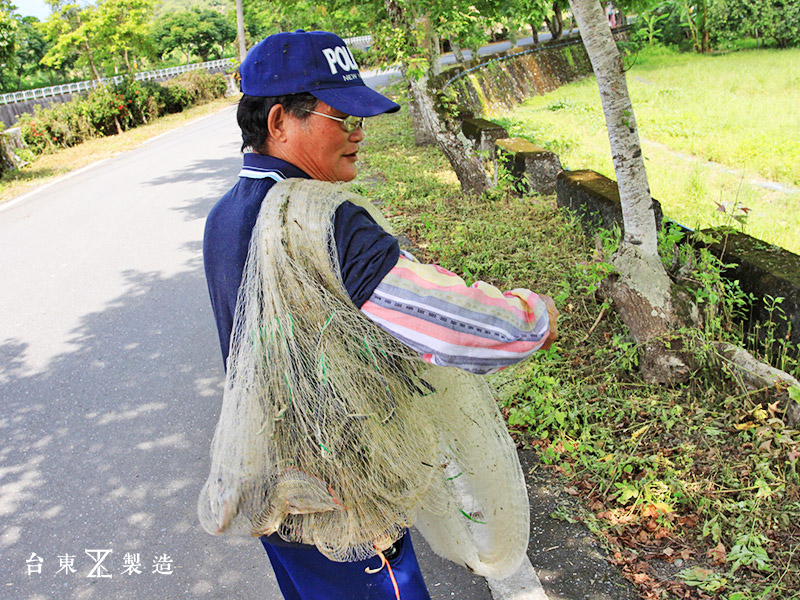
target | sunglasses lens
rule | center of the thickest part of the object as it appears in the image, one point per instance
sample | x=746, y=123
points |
x=352, y=123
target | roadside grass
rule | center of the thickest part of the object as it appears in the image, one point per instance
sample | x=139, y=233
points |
x=736, y=110
x=47, y=167
x=695, y=491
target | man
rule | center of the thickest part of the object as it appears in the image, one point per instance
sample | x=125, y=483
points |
x=302, y=115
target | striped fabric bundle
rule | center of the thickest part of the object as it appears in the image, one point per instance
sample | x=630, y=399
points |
x=477, y=328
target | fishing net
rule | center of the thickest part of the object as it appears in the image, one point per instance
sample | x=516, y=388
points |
x=332, y=432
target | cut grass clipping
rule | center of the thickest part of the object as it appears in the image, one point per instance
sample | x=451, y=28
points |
x=695, y=491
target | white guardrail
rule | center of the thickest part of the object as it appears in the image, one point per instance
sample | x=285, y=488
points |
x=361, y=42
x=81, y=86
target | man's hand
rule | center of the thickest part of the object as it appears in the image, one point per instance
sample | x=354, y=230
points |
x=552, y=312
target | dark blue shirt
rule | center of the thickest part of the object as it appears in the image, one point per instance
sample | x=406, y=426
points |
x=365, y=250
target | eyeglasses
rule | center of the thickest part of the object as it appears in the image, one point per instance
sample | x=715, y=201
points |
x=349, y=123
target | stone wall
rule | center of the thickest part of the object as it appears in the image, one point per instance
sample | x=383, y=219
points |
x=10, y=113
x=761, y=269
x=510, y=77
x=507, y=78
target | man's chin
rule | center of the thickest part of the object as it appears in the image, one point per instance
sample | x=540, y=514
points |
x=349, y=176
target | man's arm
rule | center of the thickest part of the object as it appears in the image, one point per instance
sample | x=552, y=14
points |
x=477, y=328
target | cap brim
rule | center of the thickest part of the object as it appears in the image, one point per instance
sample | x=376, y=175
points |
x=356, y=100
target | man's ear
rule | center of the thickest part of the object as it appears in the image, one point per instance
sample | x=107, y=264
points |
x=276, y=124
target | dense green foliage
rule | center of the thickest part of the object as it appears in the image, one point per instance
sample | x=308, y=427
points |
x=109, y=109
x=265, y=17
x=775, y=20
x=705, y=25
x=107, y=37
x=203, y=33
x=8, y=26
x=107, y=33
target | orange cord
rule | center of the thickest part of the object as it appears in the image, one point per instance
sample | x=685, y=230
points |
x=391, y=573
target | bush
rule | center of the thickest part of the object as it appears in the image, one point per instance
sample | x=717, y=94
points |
x=194, y=87
x=366, y=59
x=106, y=110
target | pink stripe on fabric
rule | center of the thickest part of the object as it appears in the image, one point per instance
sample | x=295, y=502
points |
x=506, y=301
x=444, y=334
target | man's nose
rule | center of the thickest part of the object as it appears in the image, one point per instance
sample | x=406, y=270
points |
x=357, y=135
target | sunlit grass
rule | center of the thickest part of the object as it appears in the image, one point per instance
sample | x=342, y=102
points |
x=738, y=110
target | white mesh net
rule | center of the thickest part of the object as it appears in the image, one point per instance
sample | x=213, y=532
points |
x=335, y=434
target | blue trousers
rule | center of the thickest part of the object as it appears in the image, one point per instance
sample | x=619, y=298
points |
x=303, y=573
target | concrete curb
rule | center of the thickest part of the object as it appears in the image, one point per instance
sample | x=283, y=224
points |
x=521, y=585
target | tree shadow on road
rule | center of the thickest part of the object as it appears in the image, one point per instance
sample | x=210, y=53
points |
x=106, y=447
x=217, y=175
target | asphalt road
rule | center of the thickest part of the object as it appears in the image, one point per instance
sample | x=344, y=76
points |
x=111, y=382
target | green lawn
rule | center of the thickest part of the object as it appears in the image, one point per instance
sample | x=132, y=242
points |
x=738, y=111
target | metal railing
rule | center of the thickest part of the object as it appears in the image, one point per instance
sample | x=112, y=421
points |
x=362, y=42
x=82, y=86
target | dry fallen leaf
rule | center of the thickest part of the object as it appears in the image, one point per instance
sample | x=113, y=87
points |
x=640, y=577
x=718, y=555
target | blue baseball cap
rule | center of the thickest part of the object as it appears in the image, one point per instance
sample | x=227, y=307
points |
x=317, y=62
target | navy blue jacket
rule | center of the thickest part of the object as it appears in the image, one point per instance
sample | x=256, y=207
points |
x=366, y=251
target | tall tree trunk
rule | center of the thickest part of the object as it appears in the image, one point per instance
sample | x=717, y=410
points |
x=240, y=30
x=433, y=47
x=422, y=135
x=457, y=51
x=642, y=291
x=455, y=146
x=90, y=57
